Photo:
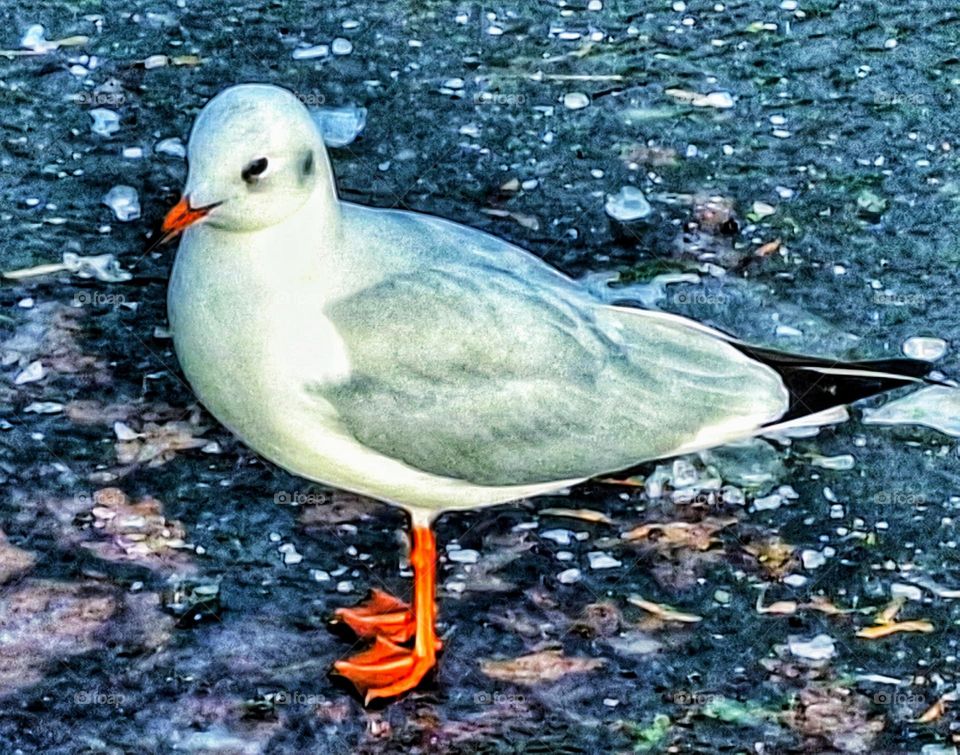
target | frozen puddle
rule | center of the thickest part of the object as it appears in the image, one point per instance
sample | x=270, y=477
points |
x=937, y=407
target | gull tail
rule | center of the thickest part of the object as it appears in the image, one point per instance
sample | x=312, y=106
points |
x=817, y=385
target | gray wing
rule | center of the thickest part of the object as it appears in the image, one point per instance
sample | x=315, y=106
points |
x=474, y=374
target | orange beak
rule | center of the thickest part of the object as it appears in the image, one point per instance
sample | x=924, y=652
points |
x=180, y=217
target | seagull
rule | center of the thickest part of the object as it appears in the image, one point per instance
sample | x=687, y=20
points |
x=433, y=366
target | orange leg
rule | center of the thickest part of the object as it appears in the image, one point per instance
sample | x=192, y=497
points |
x=388, y=668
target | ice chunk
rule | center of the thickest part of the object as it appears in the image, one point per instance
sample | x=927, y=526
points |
x=627, y=205
x=340, y=125
x=105, y=122
x=124, y=201
x=937, y=407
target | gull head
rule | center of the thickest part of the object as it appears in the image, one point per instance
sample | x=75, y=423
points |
x=255, y=157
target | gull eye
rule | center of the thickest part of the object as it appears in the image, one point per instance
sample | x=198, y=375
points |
x=306, y=167
x=254, y=170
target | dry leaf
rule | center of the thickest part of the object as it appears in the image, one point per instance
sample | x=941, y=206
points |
x=836, y=715
x=13, y=560
x=134, y=531
x=936, y=711
x=667, y=613
x=545, y=666
x=586, y=515
x=884, y=630
x=527, y=221
x=769, y=248
x=889, y=613
x=599, y=620
x=697, y=536
x=157, y=444
x=779, y=608
x=774, y=555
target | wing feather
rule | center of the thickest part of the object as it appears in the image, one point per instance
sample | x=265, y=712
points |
x=472, y=373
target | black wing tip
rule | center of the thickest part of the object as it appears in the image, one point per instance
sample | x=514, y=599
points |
x=816, y=384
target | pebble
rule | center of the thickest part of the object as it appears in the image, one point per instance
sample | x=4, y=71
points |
x=308, y=53
x=812, y=559
x=132, y=153
x=105, y=122
x=345, y=586
x=795, y=580
x=34, y=38
x=901, y=590
x=575, y=100
x=43, y=407
x=720, y=100
x=289, y=553
x=172, y=146
x=31, y=373
x=600, y=560
x=341, y=46
x=463, y=556
x=319, y=575
x=843, y=462
x=155, y=61
x=595, y=5
x=763, y=210
x=768, y=503
x=569, y=576
x=925, y=348
x=627, y=205
x=560, y=537
x=124, y=201
x=820, y=648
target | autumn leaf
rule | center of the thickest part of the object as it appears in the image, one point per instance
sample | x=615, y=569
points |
x=138, y=532
x=667, y=613
x=667, y=535
x=157, y=444
x=13, y=560
x=536, y=668
x=584, y=515
x=885, y=630
x=774, y=555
